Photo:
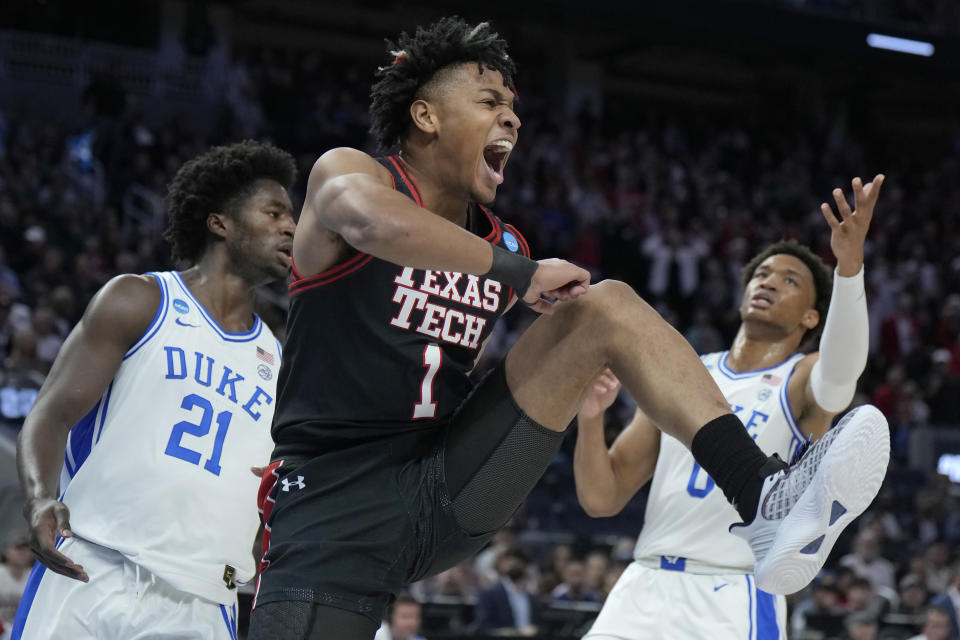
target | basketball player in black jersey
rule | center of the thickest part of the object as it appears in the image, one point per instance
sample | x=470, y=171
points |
x=389, y=464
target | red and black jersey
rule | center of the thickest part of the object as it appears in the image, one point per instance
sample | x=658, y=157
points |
x=375, y=348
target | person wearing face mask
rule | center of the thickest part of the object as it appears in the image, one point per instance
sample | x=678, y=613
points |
x=509, y=605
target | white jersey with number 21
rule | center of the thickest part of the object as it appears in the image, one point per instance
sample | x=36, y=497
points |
x=159, y=470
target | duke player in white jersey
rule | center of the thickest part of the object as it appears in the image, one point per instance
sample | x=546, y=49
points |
x=162, y=399
x=691, y=578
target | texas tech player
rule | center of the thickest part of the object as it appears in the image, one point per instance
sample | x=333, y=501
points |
x=395, y=466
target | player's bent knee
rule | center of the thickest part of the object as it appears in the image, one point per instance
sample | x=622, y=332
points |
x=609, y=302
x=607, y=297
x=614, y=292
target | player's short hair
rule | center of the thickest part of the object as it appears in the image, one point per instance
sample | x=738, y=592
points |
x=217, y=182
x=822, y=277
x=418, y=58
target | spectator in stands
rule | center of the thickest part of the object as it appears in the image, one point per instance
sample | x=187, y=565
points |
x=552, y=575
x=949, y=602
x=574, y=585
x=49, y=338
x=821, y=611
x=21, y=376
x=703, y=336
x=485, y=560
x=863, y=599
x=459, y=581
x=6, y=328
x=16, y=561
x=913, y=597
x=403, y=620
x=508, y=606
x=942, y=389
x=900, y=330
x=887, y=396
x=861, y=626
x=596, y=567
x=9, y=282
x=926, y=518
x=937, y=570
x=867, y=562
x=936, y=625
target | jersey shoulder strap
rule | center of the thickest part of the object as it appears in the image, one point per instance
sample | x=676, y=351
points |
x=400, y=175
x=499, y=230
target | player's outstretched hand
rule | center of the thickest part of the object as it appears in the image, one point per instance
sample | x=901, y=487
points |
x=848, y=234
x=49, y=518
x=599, y=395
x=555, y=280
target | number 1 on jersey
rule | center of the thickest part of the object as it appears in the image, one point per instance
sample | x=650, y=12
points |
x=427, y=407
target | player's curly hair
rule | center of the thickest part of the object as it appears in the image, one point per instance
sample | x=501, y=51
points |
x=822, y=279
x=418, y=58
x=217, y=181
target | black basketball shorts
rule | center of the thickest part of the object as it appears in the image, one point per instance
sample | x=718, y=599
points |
x=350, y=528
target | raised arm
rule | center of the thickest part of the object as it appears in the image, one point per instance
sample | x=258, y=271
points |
x=829, y=377
x=350, y=199
x=607, y=479
x=117, y=316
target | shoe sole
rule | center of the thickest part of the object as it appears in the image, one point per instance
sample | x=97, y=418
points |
x=846, y=482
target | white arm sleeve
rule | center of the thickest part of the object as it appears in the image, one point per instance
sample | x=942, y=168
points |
x=844, y=345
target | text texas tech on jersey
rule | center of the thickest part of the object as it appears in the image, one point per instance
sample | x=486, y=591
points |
x=380, y=348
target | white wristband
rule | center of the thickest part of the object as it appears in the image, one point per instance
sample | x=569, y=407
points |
x=844, y=346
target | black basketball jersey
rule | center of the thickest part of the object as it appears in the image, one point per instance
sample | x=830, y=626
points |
x=376, y=348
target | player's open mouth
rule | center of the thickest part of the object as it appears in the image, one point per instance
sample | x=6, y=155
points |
x=495, y=156
x=287, y=252
x=761, y=301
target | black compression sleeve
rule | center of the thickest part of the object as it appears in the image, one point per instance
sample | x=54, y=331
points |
x=511, y=269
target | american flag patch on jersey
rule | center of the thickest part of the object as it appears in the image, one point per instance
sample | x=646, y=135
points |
x=266, y=356
x=769, y=378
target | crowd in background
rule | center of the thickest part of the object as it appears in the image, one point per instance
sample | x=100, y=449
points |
x=674, y=206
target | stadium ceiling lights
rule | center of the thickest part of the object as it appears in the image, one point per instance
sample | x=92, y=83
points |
x=903, y=45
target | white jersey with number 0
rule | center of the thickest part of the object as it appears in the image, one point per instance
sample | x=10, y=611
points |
x=159, y=470
x=687, y=516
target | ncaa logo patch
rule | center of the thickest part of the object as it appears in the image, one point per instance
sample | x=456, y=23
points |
x=510, y=241
x=180, y=306
x=764, y=394
x=264, y=371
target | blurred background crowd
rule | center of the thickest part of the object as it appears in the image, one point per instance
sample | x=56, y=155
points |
x=631, y=162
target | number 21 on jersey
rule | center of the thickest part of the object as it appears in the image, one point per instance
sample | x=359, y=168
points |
x=177, y=449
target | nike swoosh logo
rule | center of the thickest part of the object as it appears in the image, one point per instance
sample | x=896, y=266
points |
x=185, y=324
x=720, y=587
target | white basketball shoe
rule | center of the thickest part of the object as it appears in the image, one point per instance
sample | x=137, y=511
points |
x=803, y=508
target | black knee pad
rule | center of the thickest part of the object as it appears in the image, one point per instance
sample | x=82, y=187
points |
x=502, y=482
x=287, y=620
x=301, y=620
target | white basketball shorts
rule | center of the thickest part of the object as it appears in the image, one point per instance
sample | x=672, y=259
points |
x=121, y=602
x=664, y=604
